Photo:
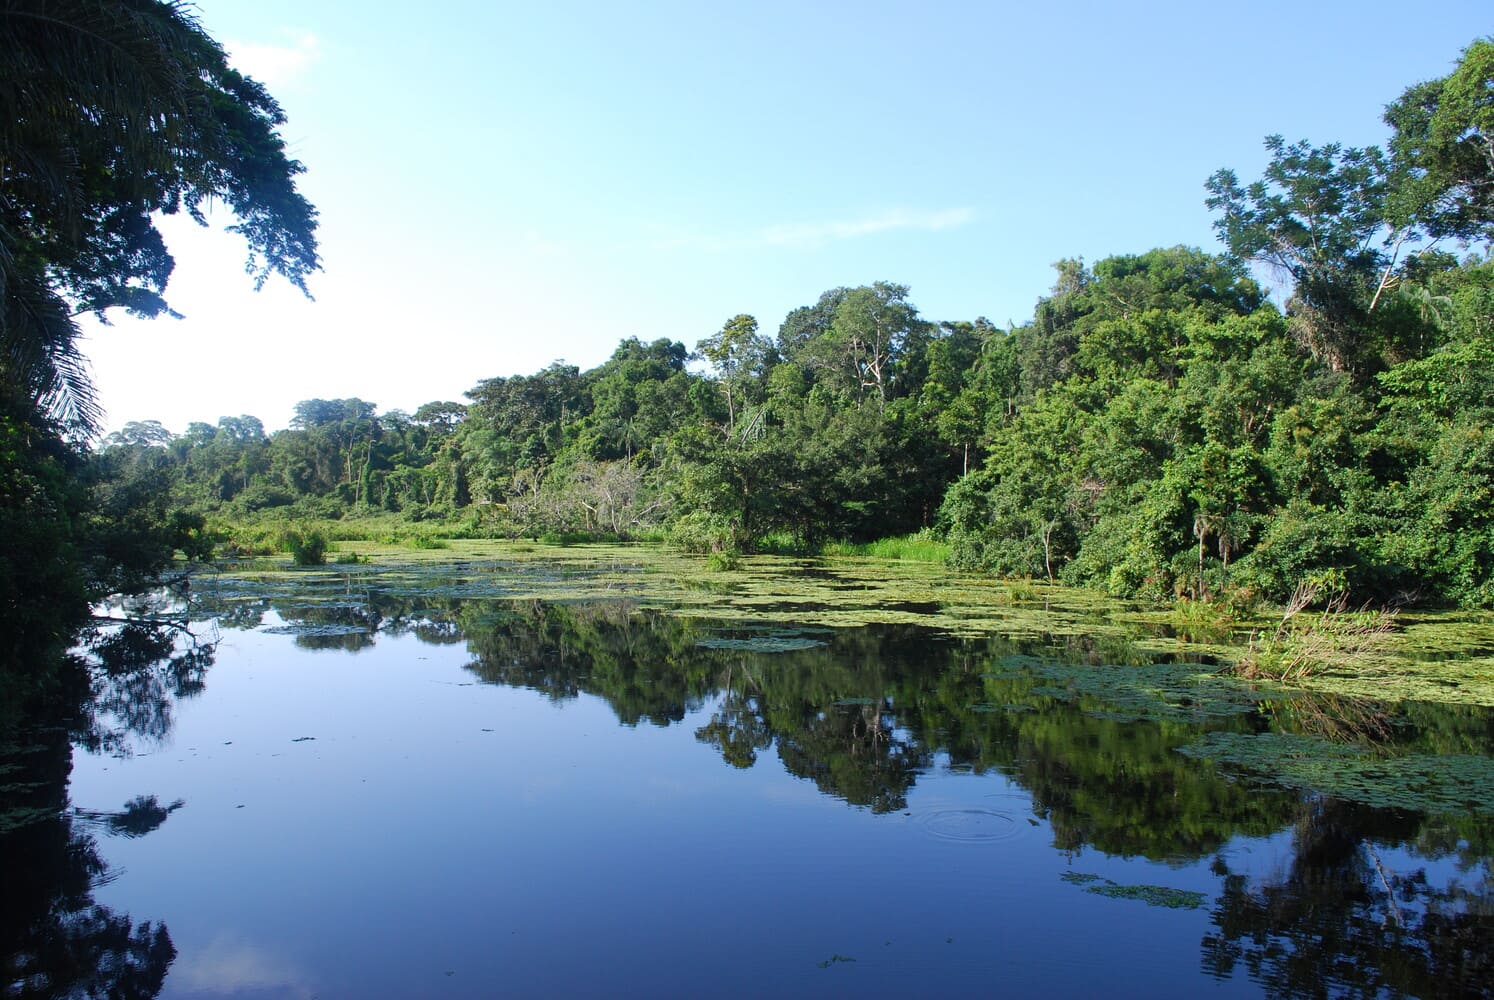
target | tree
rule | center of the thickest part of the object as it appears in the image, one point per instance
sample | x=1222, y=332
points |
x=741, y=357
x=1320, y=217
x=110, y=112
x=113, y=112
x=1443, y=148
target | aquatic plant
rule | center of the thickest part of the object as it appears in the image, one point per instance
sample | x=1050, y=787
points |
x=777, y=641
x=1424, y=782
x=1151, y=895
x=1300, y=647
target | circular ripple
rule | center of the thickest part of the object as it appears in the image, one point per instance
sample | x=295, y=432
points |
x=969, y=826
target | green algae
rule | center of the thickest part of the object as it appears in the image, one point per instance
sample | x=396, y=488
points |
x=1438, y=783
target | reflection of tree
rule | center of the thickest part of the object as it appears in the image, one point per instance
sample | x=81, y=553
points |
x=1338, y=921
x=737, y=727
x=863, y=711
x=130, y=678
x=645, y=665
x=854, y=751
x=54, y=939
x=141, y=815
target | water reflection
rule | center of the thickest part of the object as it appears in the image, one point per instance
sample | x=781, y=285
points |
x=55, y=940
x=866, y=714
x=1339, y=919
x=118, y=688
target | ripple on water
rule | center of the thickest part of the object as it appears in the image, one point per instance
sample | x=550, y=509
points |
x=970, y=826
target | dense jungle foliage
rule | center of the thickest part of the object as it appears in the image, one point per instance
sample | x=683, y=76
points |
x=1159, y=428
x=110, y=113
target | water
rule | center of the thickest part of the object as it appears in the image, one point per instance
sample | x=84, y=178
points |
x=385, y=795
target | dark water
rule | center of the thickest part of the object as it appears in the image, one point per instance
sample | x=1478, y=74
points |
x=386, y=796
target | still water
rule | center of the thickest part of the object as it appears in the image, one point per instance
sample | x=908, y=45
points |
x=403, y=794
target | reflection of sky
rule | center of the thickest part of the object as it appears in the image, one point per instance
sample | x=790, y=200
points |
x=437, y=836
x=228, y=966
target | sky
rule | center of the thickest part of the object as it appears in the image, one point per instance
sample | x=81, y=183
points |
x=503, y=185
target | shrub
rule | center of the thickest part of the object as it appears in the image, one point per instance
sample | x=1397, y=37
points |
x=307, y=547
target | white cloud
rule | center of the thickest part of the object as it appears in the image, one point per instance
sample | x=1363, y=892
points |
x=275, y=65
x=810, y=235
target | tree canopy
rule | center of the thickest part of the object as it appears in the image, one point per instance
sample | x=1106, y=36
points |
x=111, y=115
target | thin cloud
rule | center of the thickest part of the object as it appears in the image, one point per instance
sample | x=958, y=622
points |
x=811, y=235
x=276, y=65
x=818, y=234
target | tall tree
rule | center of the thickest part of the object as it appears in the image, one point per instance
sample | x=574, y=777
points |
x=741, y=358
x=1319, y=217
x=110, y=113
x=1443, y=147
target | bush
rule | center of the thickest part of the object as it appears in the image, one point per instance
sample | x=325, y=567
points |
x=307, y=547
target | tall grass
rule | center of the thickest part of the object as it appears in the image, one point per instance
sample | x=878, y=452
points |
x=920, y=546
x=1303, y=646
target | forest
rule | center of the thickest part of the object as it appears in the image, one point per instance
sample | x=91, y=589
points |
x=1181, y=447
x=1160, y=429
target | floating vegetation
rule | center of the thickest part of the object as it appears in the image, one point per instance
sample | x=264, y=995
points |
x=1079, y=878
x=1436, y=783
x=1158, y=691
x=1085, y=630
x=834, y=960
x=768, y=641
x=305, y=630
x=1151, y=895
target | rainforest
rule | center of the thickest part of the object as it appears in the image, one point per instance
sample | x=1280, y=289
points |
x=1164, y=614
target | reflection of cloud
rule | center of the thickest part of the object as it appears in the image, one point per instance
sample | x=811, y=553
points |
x=274, y=65
x=809, y=235
x=229, y=965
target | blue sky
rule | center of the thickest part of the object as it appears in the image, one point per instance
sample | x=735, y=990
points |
x=504, y=185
